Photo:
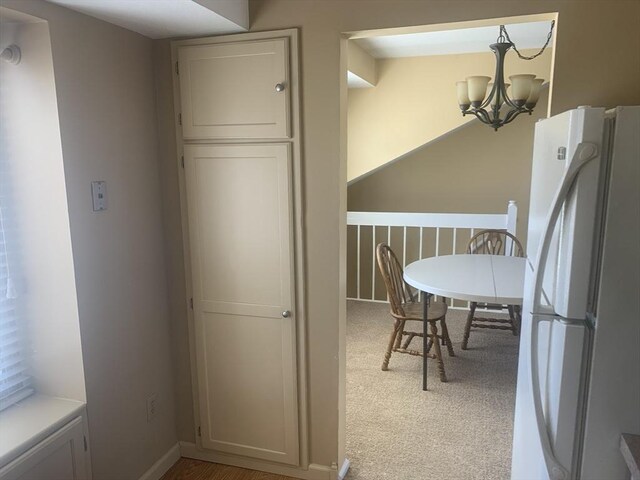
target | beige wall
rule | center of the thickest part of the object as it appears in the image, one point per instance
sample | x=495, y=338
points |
x=173, y=240
x=36, y=212
x=105, y=90
x=415, y=102
x=587, y=36
x=471, y=170
x=361, y=63
x=104, y=77
x=600, y=33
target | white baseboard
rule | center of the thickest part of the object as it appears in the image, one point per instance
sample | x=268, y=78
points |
x=163, y=464
x=315, y=471
x=345, y=468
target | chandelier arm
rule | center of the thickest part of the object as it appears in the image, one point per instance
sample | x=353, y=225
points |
x=512, y=115
x=481, y=115
x=490, y=96
x=507, y=99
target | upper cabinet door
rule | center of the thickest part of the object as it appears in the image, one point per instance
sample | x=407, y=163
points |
x=235, y=90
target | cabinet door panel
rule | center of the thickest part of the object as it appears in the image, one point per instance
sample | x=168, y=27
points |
x=228, y=90
x=59, y=456
x=239, y=208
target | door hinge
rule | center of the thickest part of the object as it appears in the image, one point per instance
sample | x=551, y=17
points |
x=182, y=161
x=85, y=443
x=191, y=303
x=179, y=119
x=177, y=68
x=199, y=431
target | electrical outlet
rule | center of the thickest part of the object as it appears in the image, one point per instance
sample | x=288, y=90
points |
x=152, y=407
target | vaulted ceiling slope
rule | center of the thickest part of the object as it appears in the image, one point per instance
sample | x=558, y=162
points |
x=168, y=18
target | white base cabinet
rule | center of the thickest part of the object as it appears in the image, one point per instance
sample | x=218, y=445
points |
x=44, y=438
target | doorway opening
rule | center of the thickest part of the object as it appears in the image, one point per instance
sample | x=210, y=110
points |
x=424, y=179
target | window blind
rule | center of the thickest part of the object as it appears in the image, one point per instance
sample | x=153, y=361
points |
x=15, y=383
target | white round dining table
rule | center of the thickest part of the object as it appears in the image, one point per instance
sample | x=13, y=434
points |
x=493, y=279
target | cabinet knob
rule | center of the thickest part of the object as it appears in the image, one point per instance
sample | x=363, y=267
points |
x=279, y=87
x=286, y=314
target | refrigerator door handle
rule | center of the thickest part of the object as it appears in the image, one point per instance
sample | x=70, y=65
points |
x=585, y=152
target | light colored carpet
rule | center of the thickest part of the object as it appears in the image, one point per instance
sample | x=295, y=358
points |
x=457, y=430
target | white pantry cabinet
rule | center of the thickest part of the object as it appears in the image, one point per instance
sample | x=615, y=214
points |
x=239, y=151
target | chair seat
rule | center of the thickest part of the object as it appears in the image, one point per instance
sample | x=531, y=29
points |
x=436, y=311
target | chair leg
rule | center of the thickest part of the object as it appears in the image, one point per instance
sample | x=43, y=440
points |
x=429, y=344
x=512, y=318
x=467, y=327
x=407, y=342
x=446, y=340
x=387, y=355
x=399, y=337
x=436, y=346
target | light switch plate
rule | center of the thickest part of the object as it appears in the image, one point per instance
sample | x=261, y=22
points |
x=99, y=195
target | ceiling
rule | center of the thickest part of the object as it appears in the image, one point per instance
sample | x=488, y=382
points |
x=448, y=42
x=168, y=18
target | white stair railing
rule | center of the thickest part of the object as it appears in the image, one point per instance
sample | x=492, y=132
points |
x=438, y=224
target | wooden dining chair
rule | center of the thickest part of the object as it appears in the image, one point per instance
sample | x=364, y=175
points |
x=405, y=307
x=493, y=242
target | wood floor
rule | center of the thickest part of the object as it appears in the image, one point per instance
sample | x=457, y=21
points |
x=188, y=469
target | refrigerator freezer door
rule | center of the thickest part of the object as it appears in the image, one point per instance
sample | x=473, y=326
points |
x=566, y=280
x=547, y=172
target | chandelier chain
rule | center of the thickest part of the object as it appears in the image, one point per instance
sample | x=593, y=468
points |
x=503, y=30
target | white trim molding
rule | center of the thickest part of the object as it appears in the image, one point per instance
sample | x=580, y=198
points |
x=315, y=471
x=164, y=463
x=345, y=468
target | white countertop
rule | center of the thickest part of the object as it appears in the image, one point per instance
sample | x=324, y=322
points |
x=478, y=278
x=31, y=420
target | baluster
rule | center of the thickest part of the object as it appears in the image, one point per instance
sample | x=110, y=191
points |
x=453, y=249
x=358, y=265
x=420, y=258
x=373, y=265
x=404, y=247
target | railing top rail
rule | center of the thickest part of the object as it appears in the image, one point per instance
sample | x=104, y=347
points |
x=432, y=220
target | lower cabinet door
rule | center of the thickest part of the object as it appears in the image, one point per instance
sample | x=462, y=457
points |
x=61, y=456
x=241, y=241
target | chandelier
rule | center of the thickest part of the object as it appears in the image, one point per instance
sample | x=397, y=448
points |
x=524, y=91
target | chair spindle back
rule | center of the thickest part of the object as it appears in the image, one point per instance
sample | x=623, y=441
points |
x=398, y=291
x=495, y=242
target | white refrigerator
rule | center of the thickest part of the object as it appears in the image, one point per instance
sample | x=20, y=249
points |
x=578, y=383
